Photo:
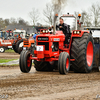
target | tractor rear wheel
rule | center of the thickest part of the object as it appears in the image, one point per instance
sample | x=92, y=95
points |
x=19, y=46
x=25, y=62
x=14, y=48
x=83, y=52
x=64, y=63
x=20, y=49
x=42, y=66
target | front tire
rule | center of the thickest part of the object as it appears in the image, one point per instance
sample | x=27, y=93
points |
x=25, y=62
x=2, y=49
x=64, y=63
x=83, y=52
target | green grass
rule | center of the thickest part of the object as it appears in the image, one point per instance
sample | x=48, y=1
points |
x=6, y=60
x=14, y=65
x=9, y=51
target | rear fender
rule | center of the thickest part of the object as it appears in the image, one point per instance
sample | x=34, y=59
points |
x=80, y=34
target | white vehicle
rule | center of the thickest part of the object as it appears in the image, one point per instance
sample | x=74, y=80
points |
x=21, y=32
x=95, y=31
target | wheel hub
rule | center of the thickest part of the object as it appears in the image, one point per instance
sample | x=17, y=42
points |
x=89, y=54
x=67, y=63
x=1, y=49
x=21, y=44
x=28, y=61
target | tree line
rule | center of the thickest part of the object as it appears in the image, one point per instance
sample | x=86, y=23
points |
x=90, y=17
x=12, y=21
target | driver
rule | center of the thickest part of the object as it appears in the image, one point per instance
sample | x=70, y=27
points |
x=63, y=27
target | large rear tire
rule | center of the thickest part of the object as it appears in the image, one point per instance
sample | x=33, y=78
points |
x=14, y=48
x=83, y=52
x=25, y=62
x=42, y=66
x=20, y=49
x=19, y=46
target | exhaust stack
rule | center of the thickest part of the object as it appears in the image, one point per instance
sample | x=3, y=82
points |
x=54, y=28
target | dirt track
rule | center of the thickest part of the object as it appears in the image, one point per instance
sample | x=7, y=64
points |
x=48, y=85
x=9, y=56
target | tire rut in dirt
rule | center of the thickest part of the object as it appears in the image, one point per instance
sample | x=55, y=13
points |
x=78, y=52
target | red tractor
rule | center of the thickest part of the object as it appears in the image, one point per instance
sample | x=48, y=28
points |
x=6, y=40
x=51, y=53
x=19, y=36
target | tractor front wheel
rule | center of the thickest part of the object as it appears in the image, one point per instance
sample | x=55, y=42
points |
x=25, y=62
x=64, y=63
x=2, y=49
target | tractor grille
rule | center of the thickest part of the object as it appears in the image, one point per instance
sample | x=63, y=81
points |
x=43, y=39
x=44, y=43
x=26, y=42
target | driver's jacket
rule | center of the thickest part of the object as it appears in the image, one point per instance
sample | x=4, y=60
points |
x=64, y=29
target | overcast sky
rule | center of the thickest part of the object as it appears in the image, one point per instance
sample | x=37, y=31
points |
x=21, y=8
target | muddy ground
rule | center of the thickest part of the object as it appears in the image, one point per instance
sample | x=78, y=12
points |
x=48, y=85
x=9, y=56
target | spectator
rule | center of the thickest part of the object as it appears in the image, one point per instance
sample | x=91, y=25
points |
x=35, y=35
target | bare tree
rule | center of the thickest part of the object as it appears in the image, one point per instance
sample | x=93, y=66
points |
x=52, y=8
x=86, y=19
x=34, y=15
x=95, y=12
x=22, y=21
x=13, y=21
x=6, y=21
x=48, y=13
x=2, y=24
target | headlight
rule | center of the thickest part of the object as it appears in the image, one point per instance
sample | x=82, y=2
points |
x=44, y=31
x=52, y=46
x=78, y=32
x=75, y=32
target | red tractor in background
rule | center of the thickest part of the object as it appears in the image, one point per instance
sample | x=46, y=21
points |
x=19, y=35
x=6, y=40
x=51, y=53
x=29, y=44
